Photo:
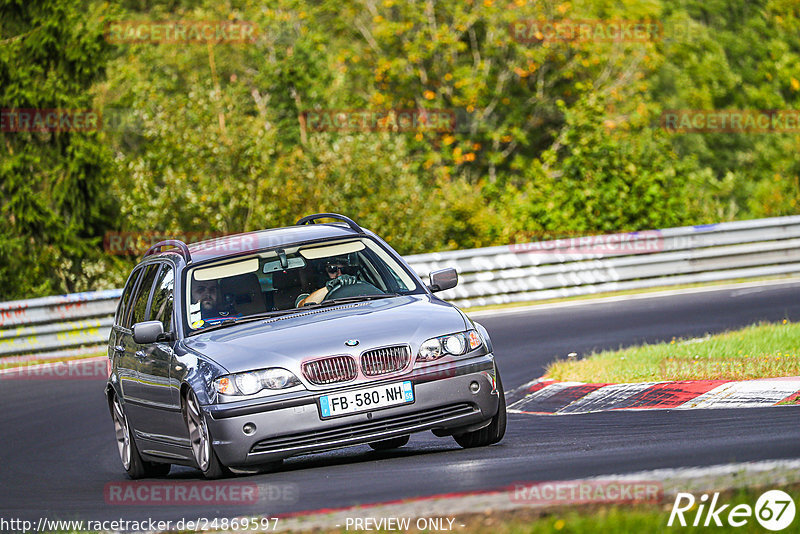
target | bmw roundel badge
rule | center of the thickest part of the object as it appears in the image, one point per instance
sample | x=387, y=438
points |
x=351, y=342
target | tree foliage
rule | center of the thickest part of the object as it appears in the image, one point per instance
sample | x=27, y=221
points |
x=54, y=186
x=551, y=137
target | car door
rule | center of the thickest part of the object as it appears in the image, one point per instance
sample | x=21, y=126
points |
x=138, y=314
x=160, y=394
x=123, y=360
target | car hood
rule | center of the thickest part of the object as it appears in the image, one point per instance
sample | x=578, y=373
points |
x=286, y=341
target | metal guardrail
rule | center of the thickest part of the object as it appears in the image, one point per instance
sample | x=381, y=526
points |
x=64, y=325
x=58, y=326
x=567, y=267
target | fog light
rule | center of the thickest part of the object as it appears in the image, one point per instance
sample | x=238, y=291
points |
x=474, y=387
x=249, y=429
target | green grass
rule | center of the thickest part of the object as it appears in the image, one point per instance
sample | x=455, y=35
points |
x=619, y=519
x=760, y=351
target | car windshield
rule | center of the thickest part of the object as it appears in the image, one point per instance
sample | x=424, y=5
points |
x=280, y=280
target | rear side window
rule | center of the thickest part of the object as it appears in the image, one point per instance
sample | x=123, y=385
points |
x=161, y=308
x=123, y=310
x=143, y=294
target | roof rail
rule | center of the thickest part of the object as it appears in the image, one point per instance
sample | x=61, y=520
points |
x=183, y=250
x=350, y=222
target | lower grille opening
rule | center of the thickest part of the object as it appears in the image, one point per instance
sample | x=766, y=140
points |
x=355, y=431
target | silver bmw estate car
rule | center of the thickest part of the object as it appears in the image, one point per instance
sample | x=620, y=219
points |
x=248, y=349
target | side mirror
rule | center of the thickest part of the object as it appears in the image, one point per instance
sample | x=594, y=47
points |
x=148, y=332
x=443, y=279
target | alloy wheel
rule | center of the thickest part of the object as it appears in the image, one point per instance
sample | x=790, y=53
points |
x=123, y=434
x=198, y=432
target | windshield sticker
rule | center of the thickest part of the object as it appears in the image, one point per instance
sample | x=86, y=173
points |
x=195, y=313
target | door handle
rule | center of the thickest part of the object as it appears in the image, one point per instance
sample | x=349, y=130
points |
x=140, y=355
x=119, y=348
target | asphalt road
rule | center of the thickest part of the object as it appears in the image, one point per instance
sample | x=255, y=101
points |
x=57, y=450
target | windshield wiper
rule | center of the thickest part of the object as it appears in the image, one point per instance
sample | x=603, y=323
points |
x=230, y=321
x=267, y=315
x=346, y=300
x=227, y=322
x=363, y=297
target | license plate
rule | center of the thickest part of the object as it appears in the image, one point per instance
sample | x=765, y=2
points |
x=364, y=400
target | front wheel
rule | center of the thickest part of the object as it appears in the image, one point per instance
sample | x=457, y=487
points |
x=493, y=433
x=126, y=446
x=204, y=455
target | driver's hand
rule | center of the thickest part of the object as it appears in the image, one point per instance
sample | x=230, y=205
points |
x=343, y=280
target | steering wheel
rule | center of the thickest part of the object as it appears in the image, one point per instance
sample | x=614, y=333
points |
x=353, y=290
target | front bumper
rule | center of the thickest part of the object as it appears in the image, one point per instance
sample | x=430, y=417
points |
x=443, y=402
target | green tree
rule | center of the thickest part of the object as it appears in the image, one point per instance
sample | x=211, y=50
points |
x=552, y=136
x=54, y=200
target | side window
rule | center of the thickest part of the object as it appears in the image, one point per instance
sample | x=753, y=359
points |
x=124, y=301
x=143, y=294
x=161, y=308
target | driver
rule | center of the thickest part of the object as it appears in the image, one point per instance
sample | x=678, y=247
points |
x=334, y=269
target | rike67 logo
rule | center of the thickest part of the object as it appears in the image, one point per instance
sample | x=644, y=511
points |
x=774, y=510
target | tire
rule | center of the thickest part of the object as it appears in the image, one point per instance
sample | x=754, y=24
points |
x=200, y=439
x=128, y=451
x=493, y=433
x=391, y=443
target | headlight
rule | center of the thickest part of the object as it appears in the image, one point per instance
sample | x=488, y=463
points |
x=252, y=382
x=430, y=350
x=453, y=344
x=248, y=383
x=277, y=378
